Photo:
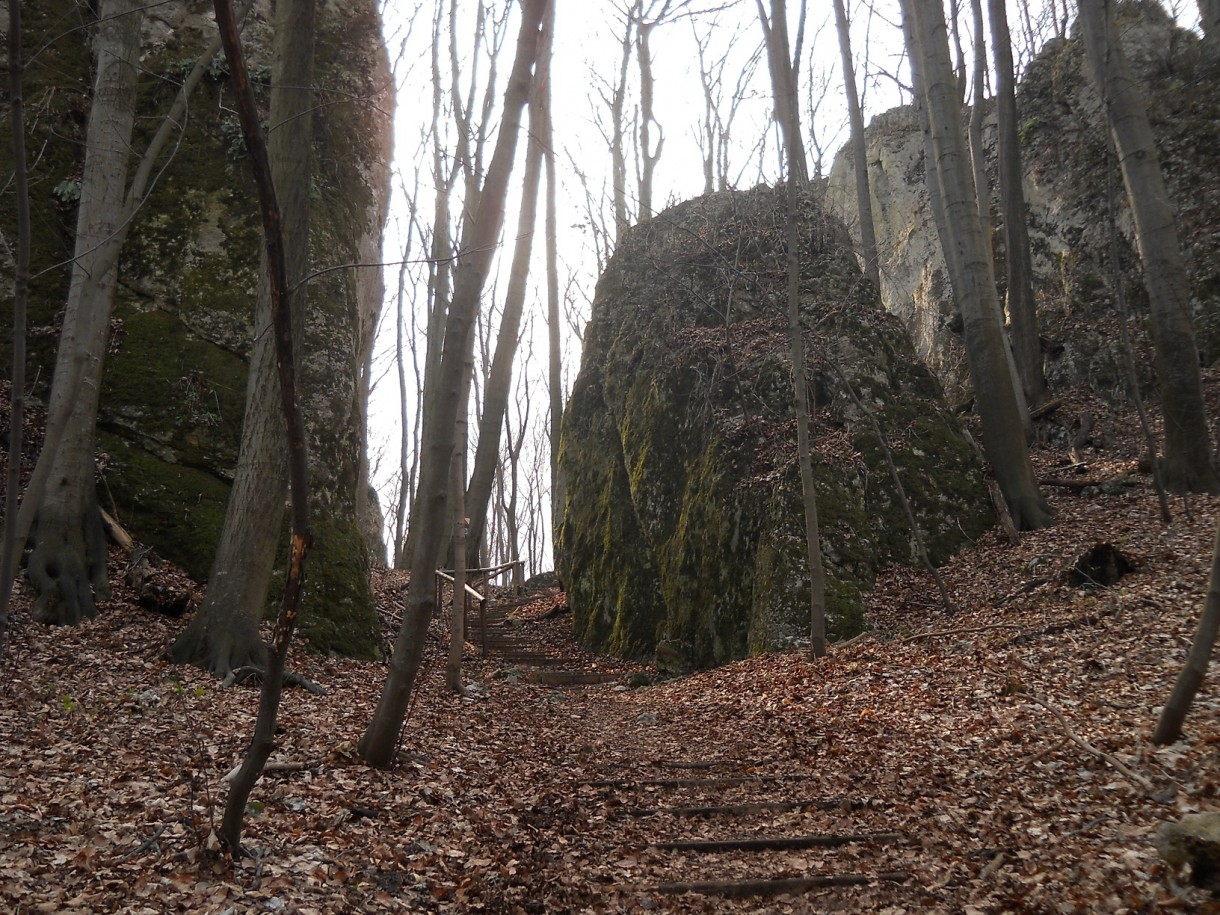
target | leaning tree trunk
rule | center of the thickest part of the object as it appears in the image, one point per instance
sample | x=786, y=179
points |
x=224, y=632
x=1026, y=347
x=970, y=272
x=859, y=152
x=68, y=563
x=377, y=745
x=499, y=381
x=1169, y=726
x=783, y=87
x=1189, y=465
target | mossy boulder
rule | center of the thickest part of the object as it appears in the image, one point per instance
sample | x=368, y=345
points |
x=174, y=389
x=682, y=519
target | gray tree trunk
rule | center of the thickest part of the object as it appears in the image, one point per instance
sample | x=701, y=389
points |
x=1194, y=670
x=1022, y=314
x=784, y=88
x=377, y=745
x=859, y=151
x=970, y=271
x=224, y=632
x=1189, y=465
x=499, y=381
x=554, y=352
x=68, y=563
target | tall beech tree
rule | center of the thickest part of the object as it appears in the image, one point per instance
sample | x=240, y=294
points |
x=783, y=63
x=223, y=635
x=1018, y=264
x=970, y=267
x=378, y=742
x=1188, y=463
x=67, y=566
x=499, y=380
x=859, y=150
x=296, y=18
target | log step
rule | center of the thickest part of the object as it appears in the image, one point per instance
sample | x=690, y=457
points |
x=742, y=809
x=743, y=889
x=716, y=782
x=776, y=843
x=569, y=677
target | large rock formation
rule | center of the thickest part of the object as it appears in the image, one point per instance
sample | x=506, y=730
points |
x=1069, y=175
x=173, y=395
x=682, y=518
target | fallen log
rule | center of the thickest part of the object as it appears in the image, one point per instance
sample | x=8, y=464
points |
x=723, y=781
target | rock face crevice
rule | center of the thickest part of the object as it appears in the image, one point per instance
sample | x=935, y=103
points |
x=1069, y=176
x=173, y=393
x=682, y=521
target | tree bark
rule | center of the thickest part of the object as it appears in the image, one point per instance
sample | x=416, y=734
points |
x=68, y=564
x=224, y=635
x=378, y=742
x=499, y=381
x=1189, y=464
x=783, y=87
x=859, y=151
x=970, y=271
x=295, y=35
x=21, y=287
x=1022, y=313
x=554, y=329
x=1173, y=715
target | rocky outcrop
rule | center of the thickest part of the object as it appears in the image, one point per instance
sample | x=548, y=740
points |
x=173, y=395
x=682, y=519
x=1069, y=177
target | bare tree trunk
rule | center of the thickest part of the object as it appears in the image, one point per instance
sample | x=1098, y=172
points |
x=378, y=742
x=554, y=350
x=1189, y=464
x=978, y=158
x=649, y=156
x=970, y=270
x=499, y=382
x=1022, y=314
x=1169, y=726
x=457, y=621
x=783, y=87
x=223, y=635
x=776, y=34
x=21, y=287
x=859, y=151
x=295, y=35
x=68, y=563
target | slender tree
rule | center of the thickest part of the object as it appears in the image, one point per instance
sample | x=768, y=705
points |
x=378, y=742
x=1022, y=316
x=297, y=17
x=970, y=270
x=553, y=326
x=859, y=150
x=1194, y=670
x=499, y=381
x=1189, y=464
x=784, y=78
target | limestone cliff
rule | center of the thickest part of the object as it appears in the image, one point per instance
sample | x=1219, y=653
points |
x=1069, y=174
x=173, y=394
x=682, y=520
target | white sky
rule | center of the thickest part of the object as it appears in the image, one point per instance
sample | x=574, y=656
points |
x=587, y=50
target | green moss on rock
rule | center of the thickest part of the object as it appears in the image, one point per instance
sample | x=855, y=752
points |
x=683, y=520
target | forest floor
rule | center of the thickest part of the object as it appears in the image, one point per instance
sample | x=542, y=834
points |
x=957, y=761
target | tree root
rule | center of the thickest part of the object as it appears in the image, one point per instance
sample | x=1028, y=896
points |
x=242, y=674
